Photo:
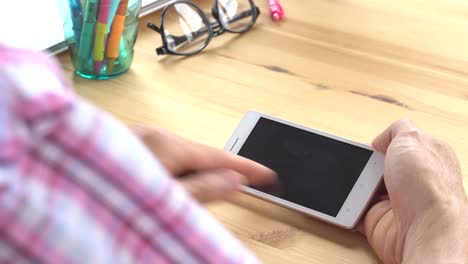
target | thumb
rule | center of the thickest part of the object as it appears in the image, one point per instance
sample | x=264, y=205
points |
x=213, y=184
x=382, y=141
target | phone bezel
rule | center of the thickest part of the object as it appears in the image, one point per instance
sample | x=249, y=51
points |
x=360, y=195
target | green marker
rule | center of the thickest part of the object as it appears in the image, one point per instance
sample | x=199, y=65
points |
x=87, y=32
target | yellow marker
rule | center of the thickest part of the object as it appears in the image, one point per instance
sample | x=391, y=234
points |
x=100, y=34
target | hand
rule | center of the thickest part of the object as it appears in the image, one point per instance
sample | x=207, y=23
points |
x=206, y=173
x=423, y=219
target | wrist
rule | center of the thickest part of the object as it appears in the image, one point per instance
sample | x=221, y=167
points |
x=442, y=238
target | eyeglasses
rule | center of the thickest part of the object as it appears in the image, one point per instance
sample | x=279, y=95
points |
x=186, y=30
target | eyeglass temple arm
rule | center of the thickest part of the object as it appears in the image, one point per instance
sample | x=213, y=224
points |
x=153, y=27
x=243, y=15
x=177, y=39
x=181, y=39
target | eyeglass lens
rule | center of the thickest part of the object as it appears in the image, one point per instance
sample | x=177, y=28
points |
x=186, y=31
x=235, y=15
x=183, y=28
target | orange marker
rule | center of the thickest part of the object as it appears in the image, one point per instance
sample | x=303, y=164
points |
x=112, y=51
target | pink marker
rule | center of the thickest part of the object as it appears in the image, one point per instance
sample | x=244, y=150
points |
x=276, y=10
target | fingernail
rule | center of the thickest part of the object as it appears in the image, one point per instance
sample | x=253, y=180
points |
x=243, y=180
x=274, y=175
x=227, y=182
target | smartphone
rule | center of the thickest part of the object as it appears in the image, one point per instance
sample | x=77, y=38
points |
x=319, y=174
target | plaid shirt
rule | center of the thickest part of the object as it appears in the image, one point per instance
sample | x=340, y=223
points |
x=76, y=186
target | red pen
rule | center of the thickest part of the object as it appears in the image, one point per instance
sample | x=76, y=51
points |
x=276, y=10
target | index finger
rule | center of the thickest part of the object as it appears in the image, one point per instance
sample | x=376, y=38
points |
x=208, y=158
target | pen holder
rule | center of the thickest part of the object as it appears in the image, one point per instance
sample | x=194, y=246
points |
x=100, y=35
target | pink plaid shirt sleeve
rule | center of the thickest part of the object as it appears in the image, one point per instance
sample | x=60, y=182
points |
x=77, y=187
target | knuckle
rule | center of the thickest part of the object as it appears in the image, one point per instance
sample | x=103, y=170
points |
x=412, y=133
x=150, y=134
x=146, y=136
x=441, y=145
x=407, y=128
x=405, y=123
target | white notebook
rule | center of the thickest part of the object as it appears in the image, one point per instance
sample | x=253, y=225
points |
x=39, y=26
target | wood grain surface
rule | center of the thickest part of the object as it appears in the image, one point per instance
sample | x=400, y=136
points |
x=347, y=67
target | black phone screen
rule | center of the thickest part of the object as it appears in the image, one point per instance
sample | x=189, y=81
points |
x=314, y=171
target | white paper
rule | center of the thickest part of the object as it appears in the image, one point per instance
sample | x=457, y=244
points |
x=30, y=24
x=33, y=24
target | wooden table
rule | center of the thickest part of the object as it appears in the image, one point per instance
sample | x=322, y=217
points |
x=347, y=67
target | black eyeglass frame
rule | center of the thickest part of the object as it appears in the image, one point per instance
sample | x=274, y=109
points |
x=165, y=50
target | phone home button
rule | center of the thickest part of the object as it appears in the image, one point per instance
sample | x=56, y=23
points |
x=361, y=186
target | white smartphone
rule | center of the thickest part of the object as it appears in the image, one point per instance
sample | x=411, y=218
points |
x=321, y=175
